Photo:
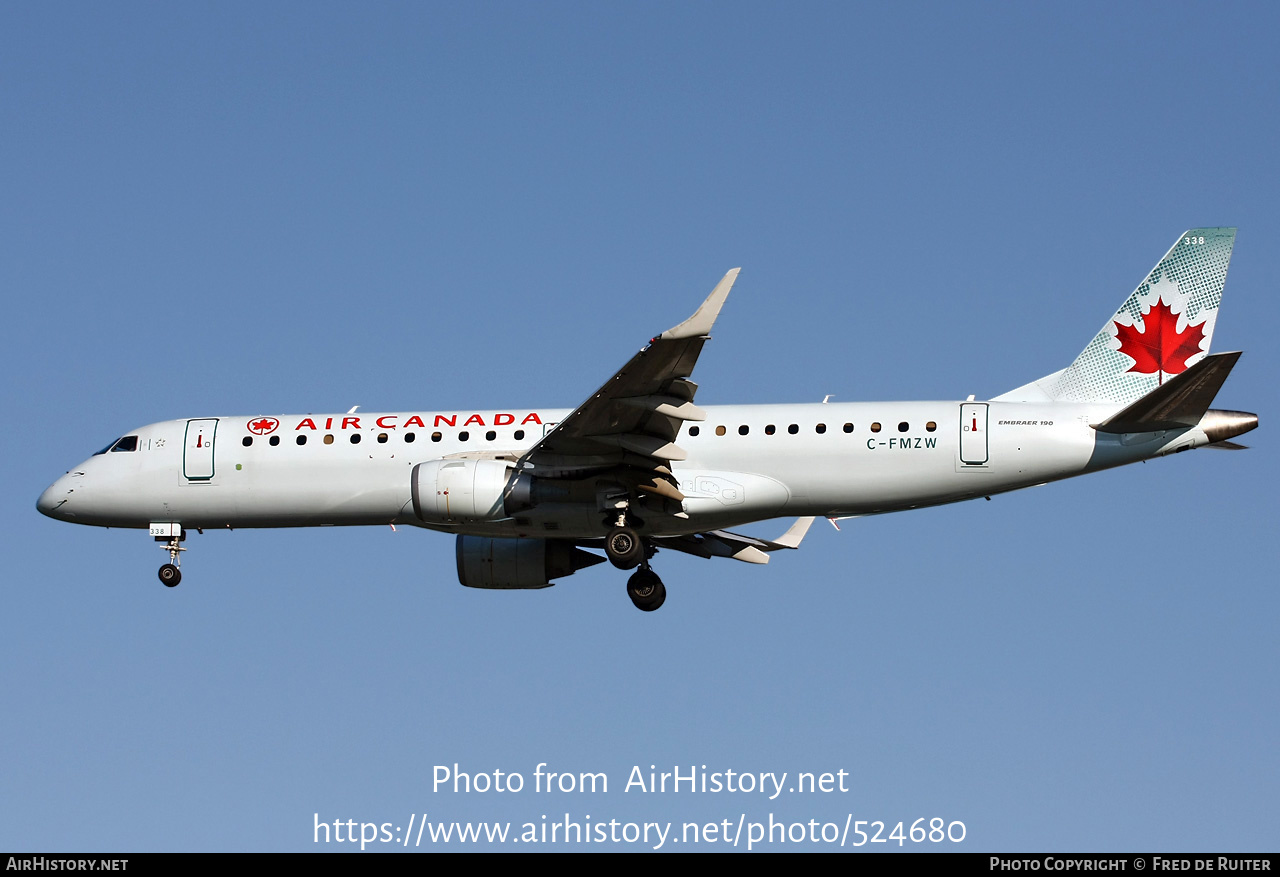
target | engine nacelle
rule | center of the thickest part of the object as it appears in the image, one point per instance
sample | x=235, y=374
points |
x=456, y=491
x=518, y=563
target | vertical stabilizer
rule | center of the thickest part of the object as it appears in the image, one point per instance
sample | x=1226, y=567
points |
x=1161, y=330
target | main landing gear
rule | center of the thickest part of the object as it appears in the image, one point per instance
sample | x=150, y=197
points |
x=624, y=547
x=627, y=550
x=646, y=590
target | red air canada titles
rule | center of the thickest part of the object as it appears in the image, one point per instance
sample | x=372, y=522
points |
x=393, y=421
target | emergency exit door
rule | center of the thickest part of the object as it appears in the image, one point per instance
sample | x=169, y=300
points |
x=197, y=452
x=973, y=433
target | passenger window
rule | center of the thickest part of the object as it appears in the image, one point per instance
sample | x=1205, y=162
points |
x=903, y=426
x=720, y=430
x=355, y=438
x=463, y=436
x=328, y=439
x=693, y=430
x=770, y=429
x=793, y=428
x=247, y=440
x=875, y=427
x=274, y=440
x=382, y=438
x=519, y=434
x=848, y=427
x=930, y=426
x=409, y=437
x=820, y=428
x=302, y=439
x=744, y=429
x=490, y=436
x=435, y=436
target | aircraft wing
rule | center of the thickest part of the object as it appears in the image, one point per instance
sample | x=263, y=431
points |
x=633, y=420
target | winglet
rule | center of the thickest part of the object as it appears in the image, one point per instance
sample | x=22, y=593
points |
x=748, y=549
x=795, y=533
x=704, y=317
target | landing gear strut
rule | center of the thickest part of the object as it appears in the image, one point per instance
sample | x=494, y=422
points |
x=646, y=590
x=169, y=574
x=627, y=550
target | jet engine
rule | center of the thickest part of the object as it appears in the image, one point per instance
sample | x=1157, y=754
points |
x=518, y=563
x=457, y=491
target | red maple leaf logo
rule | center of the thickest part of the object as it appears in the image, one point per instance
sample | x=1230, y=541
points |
x=263, y=426
x=1160, y=347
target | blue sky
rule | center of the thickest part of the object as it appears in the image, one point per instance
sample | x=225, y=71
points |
x=227, y=209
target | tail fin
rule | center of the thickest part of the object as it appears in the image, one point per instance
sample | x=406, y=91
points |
x=1162, y=329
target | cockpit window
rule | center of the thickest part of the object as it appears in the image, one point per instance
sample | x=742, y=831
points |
x=128, y=443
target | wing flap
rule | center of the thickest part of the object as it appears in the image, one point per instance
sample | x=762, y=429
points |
x=644, y=445
x=667, y=406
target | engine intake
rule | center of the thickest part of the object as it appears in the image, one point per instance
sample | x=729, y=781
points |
x=462, y=491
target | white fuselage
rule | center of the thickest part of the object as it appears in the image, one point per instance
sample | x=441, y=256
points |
x=745, y=463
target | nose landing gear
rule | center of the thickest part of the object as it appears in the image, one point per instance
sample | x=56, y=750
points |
x=171, y=535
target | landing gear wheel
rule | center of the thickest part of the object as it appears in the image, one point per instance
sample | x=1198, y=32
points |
x=169, y=574
x=624, y=547
x=646, y=590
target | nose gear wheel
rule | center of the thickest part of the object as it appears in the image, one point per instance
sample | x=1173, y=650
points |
x=170, y=575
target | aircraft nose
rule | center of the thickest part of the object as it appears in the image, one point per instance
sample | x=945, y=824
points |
x=55, y=499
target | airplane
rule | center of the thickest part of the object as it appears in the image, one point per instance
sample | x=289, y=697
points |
x=533, y=494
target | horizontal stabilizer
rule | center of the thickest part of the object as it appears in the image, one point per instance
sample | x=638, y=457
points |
x=1178, y=404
